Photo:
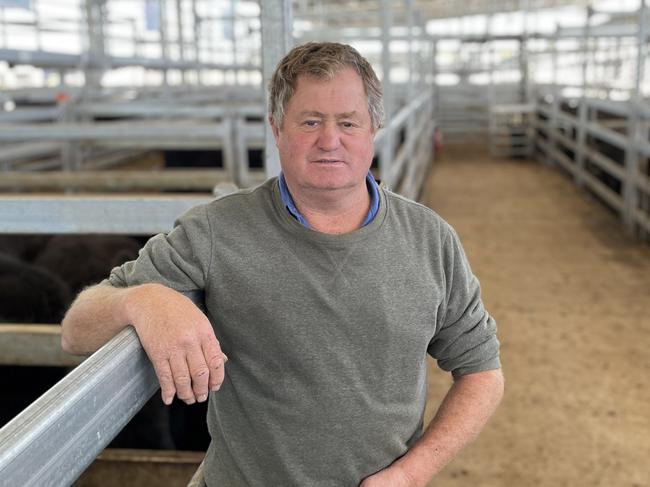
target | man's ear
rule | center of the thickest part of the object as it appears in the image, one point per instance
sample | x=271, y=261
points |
x=274, y=128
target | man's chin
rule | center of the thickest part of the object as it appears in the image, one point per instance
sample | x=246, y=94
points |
x=329, y=183
x=325, y=185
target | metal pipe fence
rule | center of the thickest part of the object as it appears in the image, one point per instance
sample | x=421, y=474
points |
x=606, y=154
x=55, y=439
x=145, y=215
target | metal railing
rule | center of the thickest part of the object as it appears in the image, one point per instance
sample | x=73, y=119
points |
x=584, y=145
x=33, y=344
x=150, y=214
x=404, y=172
x=59, y=435
x=151, y=124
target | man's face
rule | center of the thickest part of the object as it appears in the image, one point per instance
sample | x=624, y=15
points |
x=326, y=141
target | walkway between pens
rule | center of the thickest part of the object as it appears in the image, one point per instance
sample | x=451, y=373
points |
x=571, y=296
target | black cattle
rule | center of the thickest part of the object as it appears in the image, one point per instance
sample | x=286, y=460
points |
x=29, y=295
x=81, y=260
x=24, y=247
x=41, y=292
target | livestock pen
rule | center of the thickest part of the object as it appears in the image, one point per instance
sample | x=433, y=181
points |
x=525, y=125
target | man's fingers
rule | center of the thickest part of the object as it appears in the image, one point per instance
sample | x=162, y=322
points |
x=182, y=378
x=164, y=373
x=200, y=374
x=215, y=359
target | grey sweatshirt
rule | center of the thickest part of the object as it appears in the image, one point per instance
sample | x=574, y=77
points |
x=327, y=335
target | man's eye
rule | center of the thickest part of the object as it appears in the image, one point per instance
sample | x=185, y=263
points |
x=347, y=125
x=310, y=123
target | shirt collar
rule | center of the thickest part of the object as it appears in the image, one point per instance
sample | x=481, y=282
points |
x=371, y=184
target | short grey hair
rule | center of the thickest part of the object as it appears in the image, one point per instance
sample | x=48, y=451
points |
x=322, y=60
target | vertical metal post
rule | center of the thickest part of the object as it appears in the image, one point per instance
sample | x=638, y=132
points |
x=94, y=64
x=617, y=56
x=491, y=91
x=71, y=155
x=427, y=55
x=410, y=93
x=229, y=153
x=211, y=31
x=37, y=26
x=554, y=57
x=387, y=149
x=233, y=6
x=553, y=126
x=163, y=38
x=241, y=152
x=181, y=38
x=95, y=60
x=583, y=110
x=277, y=39
x=426, y=50
x=196, y=33
x=434, y=73
x=134, y=37
x=3, y=24
x=523, y=54
x=635, y=129
x=409, y=36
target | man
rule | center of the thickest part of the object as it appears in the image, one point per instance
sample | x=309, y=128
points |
x=325, y=292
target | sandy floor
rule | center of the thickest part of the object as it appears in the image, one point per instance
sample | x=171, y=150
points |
x=571, y=295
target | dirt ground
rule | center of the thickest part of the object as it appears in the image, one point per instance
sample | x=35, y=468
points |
x=571, y=296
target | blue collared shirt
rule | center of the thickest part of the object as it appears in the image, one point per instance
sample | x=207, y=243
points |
x=287, y=199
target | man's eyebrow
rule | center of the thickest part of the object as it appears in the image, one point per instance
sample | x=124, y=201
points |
x=312, y=113
x=352, y=114
x=338, y=116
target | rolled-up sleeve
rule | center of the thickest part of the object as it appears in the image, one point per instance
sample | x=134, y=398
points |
x=465, y=340
x=179, y=259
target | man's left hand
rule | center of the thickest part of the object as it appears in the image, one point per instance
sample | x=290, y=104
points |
x=393, y=476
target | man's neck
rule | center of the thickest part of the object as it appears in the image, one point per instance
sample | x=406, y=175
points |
x=334, y=212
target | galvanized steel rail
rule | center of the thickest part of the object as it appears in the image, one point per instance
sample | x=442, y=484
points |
x=123, y=215
x=57, y=437
x=556, y=140
x=34, y=344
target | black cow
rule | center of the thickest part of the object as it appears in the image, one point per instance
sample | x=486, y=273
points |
x=28, y=294
x=81, y=260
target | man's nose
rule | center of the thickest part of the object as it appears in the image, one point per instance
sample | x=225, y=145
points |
x=329, y=137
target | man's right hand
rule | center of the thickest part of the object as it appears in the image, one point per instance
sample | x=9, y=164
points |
x=179, y=341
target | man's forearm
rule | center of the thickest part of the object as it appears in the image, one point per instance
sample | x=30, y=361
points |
x=96, y=316
x=177, y=337
x=468, y=405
